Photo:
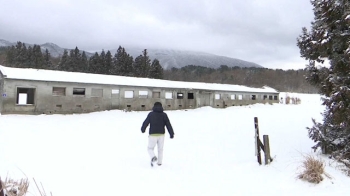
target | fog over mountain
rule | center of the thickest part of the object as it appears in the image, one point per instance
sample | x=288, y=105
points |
x=168, y=58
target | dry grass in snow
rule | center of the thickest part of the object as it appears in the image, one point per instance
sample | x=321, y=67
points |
x=15, y=188
x=313, y=170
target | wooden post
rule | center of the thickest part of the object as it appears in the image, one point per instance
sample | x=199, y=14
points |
x=1, y=188
x=266, y=149
x=257, y=140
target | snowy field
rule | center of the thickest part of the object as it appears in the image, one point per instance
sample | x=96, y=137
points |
x=105, y=153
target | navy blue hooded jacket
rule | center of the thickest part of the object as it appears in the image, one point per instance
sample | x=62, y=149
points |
x=157, y=120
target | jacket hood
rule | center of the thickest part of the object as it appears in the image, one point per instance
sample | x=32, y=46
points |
x=157, y=108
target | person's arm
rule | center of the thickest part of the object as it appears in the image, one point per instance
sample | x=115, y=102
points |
x=168, y=126
x=145, y=124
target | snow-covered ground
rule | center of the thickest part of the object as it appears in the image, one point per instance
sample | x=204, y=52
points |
x=105, y=153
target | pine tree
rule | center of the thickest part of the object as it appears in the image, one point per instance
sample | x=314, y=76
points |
x=156, y=70
x=118, y=61
x=10, y=56
x=137, y=66
x=47, y=60
x=146, y=63
x=123, y=63
x=37, y=58
x=63, y=64
x=84, y=63
x=128, y=64
x=28, y=59
x=21, y=55
x=94, y=64
x=142, y=65
x=108, y=63
x=102, y=68
x=329, y=38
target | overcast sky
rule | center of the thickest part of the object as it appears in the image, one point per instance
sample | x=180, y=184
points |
x=260, y=31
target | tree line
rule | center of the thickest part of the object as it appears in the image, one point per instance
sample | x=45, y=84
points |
x=121, y=63
x=281, y=80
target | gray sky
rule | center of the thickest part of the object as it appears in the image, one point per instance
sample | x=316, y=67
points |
x=260, y=31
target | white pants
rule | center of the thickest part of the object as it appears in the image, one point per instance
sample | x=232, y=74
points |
x=152, y=142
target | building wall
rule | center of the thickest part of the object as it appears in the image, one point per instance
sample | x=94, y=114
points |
x=1, y=90
x=39, y=97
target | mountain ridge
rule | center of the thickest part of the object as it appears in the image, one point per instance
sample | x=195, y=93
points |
x=168, y=58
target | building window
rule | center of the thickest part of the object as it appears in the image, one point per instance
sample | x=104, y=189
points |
x=275, y=97
x=190, y=96
x=253, y=97
x=25, y=96
x=233, y=97
x=129, y=94
x=78, y=91
x=143, y=94
x=180, y=96
x=58, y=91
x=217, y=96
x=265, y=97
x=115, y=93
x=168, y=95
x=156, y=94
x=270, y=97
x=240, y=97
x=96, y=92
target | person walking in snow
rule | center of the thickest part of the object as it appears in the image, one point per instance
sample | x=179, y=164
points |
x=158, y=120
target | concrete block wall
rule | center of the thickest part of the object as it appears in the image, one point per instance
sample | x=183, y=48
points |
x=114, y=97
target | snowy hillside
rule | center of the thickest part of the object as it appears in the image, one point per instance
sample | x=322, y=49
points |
x=54, y=50
x=177, y=58
x=105, y=153
x=168, y=58
x=4, y=43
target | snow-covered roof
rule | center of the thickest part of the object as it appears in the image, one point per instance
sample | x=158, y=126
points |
x=63, y=76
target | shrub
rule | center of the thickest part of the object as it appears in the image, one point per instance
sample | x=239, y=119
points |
x=313, y=170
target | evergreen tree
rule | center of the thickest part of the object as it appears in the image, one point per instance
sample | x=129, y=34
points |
x=118, y=61
x=329, y=38
x=21, y=55
x=94, y=64
x=37, y=57
x=142, y=65
x=10, y=56
x=74, y=60
x=47, y=60
x=123, y=63
x=102, y=68
x=156, y=70
x=137, y=67
x=71, y=62
x=84, y=63
x=128, y=65
x=108, y=63
x=146, y=64
x=63, y=64
x=29, y=60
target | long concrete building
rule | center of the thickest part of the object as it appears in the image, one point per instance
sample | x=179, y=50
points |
x=34, y=91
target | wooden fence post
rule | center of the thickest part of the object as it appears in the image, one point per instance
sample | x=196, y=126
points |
x=261, y=146
x=266, y=149
x=257, y=140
